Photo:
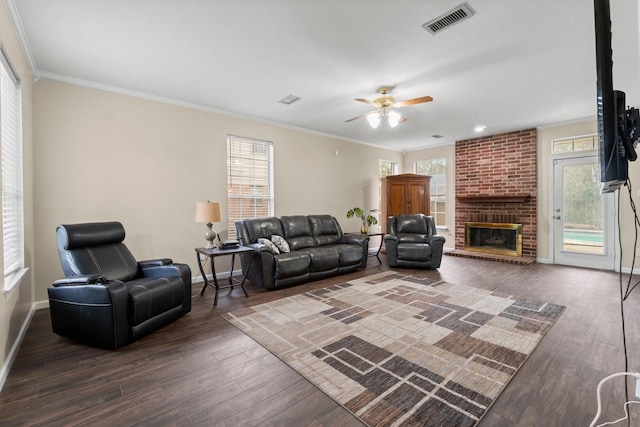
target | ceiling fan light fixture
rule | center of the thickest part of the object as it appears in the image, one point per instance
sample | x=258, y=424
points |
x=374, y=119
x=393, y=118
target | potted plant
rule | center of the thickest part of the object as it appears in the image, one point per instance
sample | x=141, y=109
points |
x=367, y=219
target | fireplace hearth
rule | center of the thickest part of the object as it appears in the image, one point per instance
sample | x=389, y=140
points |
x=493, y=238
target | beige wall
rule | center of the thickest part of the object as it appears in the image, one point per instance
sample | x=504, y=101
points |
x=106, y=156
x=15, y=306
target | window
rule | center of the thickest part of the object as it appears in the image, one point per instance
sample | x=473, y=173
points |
x=386, y=167
x=249, y=180
x=575, y=144
x=436, y=168
x=11, y=134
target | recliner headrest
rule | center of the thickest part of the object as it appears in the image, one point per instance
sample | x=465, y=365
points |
x=72, y=236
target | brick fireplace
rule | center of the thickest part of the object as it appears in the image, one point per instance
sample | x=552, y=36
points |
x=496, y=182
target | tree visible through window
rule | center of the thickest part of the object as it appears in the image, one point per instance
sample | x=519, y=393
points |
x=386, y=168
x=12, y=203
x=436, y=168
x=249, y=180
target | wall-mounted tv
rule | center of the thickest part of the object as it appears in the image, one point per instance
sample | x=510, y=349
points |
x=617, y=126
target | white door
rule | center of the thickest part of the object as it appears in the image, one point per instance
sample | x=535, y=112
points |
x=583, y=219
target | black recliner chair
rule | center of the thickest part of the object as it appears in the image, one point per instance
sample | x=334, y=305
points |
x=108, y=299
x=412, y=242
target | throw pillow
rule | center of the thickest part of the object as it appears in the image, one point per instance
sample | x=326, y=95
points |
x=269, y=244
x=281, y=243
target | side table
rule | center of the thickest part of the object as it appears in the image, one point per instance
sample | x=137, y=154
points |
x=377, y=254
x=213, y=253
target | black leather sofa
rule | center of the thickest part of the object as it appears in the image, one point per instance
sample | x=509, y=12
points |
x=317, y=249
x=109, y=299
x=412, y=241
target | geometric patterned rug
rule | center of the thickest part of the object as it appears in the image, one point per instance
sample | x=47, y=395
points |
x=397, y=350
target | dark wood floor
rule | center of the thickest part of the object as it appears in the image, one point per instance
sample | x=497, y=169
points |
x=202, y=371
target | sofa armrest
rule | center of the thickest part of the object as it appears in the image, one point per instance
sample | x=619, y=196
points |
x=87, y=279
x=354, y=239
x=437, y=247
x=158, y=269
x=93, y=313
x=435, y=239
x=155, y=262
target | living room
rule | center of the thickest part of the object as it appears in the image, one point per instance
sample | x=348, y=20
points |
x=94, y=153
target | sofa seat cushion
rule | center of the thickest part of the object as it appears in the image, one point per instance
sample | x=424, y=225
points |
x=291, y=264
x=323, y=258
x=414, y=252
x=150, y=297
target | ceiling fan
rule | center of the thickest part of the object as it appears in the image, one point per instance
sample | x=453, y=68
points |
x=384, y=108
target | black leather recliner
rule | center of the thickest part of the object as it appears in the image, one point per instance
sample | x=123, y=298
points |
x=108, y=299
x=412, y=242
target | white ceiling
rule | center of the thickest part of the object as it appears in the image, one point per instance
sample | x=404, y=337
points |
x=515, y=64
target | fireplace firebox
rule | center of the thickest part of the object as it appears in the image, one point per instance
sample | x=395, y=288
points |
x=493, y=238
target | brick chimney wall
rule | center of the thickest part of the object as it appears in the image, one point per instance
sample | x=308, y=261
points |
x=498, y=165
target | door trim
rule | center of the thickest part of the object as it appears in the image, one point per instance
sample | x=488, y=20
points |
x=611, y=236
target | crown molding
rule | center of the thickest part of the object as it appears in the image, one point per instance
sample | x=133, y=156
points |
x=14, y=17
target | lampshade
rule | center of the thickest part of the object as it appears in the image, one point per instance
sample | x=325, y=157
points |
x=208, y=212
x=393, y=118
x=373, y=119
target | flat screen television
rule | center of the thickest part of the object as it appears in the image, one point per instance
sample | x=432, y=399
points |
x=616, y=125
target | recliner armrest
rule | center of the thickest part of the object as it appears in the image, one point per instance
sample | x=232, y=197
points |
x=391, y=237
x=155, y=262
x=435, y=239
x=88, y=279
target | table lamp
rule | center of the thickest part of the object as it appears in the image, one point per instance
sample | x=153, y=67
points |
x=208, y=212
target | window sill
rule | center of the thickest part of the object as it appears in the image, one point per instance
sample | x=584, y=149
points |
x=14, y=280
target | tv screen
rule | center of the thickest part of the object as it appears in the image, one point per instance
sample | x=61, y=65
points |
x=611, y=106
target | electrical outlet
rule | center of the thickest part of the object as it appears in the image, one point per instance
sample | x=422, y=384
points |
x=637, y=387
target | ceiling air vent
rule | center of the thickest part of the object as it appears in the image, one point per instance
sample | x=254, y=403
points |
x=455, y=15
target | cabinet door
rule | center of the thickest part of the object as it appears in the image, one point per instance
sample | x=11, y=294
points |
x=417, y=200
x=397, y=203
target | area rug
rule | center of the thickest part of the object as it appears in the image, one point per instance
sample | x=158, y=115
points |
x=398, y=350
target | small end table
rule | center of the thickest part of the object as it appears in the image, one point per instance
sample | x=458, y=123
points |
x=377, y=254
x=213, y=253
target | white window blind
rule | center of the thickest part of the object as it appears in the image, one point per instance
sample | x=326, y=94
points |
x=11, y=134
x=249, y=178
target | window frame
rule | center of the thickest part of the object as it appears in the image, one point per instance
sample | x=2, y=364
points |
x=249, y=150
x=11, y=143
x=435, y=197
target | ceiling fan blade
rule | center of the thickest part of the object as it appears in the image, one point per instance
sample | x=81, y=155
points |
x=413, y=101
x=355, y=118
x=366, y=101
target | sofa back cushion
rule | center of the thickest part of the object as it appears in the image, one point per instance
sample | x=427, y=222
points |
x=262, y=228
x=297, y=231
x=325, y=229
x=411, y=228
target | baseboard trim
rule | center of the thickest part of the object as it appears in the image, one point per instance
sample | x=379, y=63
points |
x=220, y=276
x=6, y=367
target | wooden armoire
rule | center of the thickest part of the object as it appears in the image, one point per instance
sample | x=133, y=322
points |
x=403, y=194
